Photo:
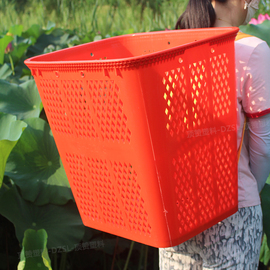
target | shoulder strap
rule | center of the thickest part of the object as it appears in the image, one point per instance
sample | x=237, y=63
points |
x=242, y=139
x=241, y=35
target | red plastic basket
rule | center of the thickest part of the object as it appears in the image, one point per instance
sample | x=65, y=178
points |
x=145, y=125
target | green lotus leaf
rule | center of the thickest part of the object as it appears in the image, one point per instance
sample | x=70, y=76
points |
x=10, y=132
x=35, y=166
x=16, y=29
x=34, y=31
x=10, y=128
x=34, y=253
x=265, y=197
x=19, y=50
x=4, y=41
x=21, y=100
x=50, y=27
x=6, y=147
x=259, y=30
x=5, y=71
x=57, y=37
x=61, y=222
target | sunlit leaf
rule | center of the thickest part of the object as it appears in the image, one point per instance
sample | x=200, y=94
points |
x=265, y=252
x=34, y=254
x=5, y=71
x=62, y=223
x=50, y=26
x=35, y=166
x=268, y=180
x=21, y=100
x=10, y=128
x=16, y=30
x=10, y=132
x=4, y=41
x=96, y=38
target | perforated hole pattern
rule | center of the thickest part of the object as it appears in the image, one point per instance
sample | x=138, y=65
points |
x=199, y=94
x=185, y=193
x=196, y=182
x=108, y=192
x=198, y=187
x=78, y=105
x=183, y=117
x=220, y=87
x=224, y=173
x=108, y=108
x=83, y=187
x=176, y=98
x=56, y=108
x=79, y=108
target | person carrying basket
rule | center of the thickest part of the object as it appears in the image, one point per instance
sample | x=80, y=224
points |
x=235, y=242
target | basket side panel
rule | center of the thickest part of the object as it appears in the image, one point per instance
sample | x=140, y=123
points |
x=102, y=135
x=192, y=118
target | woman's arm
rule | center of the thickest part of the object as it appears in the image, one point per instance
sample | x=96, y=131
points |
x=259, y=148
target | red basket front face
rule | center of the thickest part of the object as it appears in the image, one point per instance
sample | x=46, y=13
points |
x=145, y=125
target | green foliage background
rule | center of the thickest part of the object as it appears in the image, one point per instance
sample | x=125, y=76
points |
x=96, y=16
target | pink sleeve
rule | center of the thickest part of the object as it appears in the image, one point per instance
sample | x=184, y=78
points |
x=256, y=97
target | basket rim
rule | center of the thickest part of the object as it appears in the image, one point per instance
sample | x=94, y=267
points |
x=222, y=34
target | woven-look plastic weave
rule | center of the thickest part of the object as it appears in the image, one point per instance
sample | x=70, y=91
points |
x=145, y=125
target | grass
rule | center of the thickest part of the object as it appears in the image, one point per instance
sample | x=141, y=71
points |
x=98, y=16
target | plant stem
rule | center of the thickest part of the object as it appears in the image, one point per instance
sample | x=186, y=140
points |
x=7, y=248
x=129, y=254
x=114, y=254
x=117, y=263
x=63, y=261
x=141, y=257
x=55, y=261
x=11, y=63
x=145, y=258
x=156, y=259
x=6, y=186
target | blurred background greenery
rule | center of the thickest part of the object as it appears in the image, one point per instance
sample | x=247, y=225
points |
x=99, y=16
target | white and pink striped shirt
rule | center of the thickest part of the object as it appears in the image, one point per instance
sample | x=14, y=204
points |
x=253, y=100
